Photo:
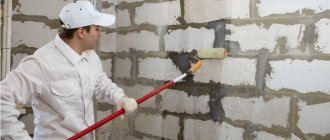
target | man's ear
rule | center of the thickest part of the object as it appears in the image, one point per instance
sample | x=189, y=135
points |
x=80, y=33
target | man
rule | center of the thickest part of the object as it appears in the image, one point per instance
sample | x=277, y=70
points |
x=60, y=79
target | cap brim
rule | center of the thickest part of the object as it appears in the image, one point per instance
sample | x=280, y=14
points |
x=105, y=20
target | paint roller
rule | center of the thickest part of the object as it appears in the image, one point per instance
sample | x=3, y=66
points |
x=197, y=55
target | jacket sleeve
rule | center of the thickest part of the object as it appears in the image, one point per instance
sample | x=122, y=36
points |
x=106, y=90
x=17, y=89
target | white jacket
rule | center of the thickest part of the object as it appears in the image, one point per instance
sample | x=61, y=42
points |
x=60, y=85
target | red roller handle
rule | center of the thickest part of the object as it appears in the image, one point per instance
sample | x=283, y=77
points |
x=119, y=112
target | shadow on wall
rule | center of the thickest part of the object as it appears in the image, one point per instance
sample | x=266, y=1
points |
x=215, y=90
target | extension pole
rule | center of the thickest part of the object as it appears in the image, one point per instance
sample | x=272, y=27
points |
x=193, y=69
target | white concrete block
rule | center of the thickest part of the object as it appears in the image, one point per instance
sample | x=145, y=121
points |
x=201, y=130
x=158, y=69
x=165, y=13
x=138, y=91
x=174, y=100
x=123, y=68
x=32, y=34
x=238, y=71
x=189, y=39
x=142, y=41
x=17, y=59
x=38, y=8
x=314, y=118
x=269, y=7
x=262, y=135
x=229, y=132
x=179, y=101
x=323, y=29
x=108, y=42
x=198, y=104
x=230, y=71
x=267, y=113
x=210, y=10
x=265, y=37
x=300, y=75
x=123, y=18
x=171, y=127
x=209, y=130
x=149, y=124
x=28, y=122
x=107, y=65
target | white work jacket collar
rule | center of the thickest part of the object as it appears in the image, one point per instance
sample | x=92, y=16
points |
x=68, y=52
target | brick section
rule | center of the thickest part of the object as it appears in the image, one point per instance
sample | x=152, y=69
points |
x=39, y=8
x=272, y=112
x=17, y=59
x=107, y=65
x=200, y=12
x=229, y=132
x=323, y=29
x=179, y=101
x=157, y=69
x=201, y=130
x=149, y=124
x=123, y=18
x=28, y=122
x=230, y=71
x=299, y=75
x=269, y=7
x=171, y=127
x=209, y=130
x=143, y=41
x=108, y=42
x=122, y=68
x=189, y=39
x=138, y=91
x=314, y=118
x=265, y=37
x=157, y=126
x=262, y=135
x=165, y=13
x=32, y=34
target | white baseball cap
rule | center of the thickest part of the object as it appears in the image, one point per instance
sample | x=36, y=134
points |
x=83, y=13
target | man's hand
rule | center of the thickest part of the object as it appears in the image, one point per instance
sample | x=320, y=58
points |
x=129, y=104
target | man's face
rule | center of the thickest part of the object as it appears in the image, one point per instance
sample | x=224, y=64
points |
x=91, y=38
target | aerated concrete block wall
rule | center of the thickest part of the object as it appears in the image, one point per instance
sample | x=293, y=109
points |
x=273, y=86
